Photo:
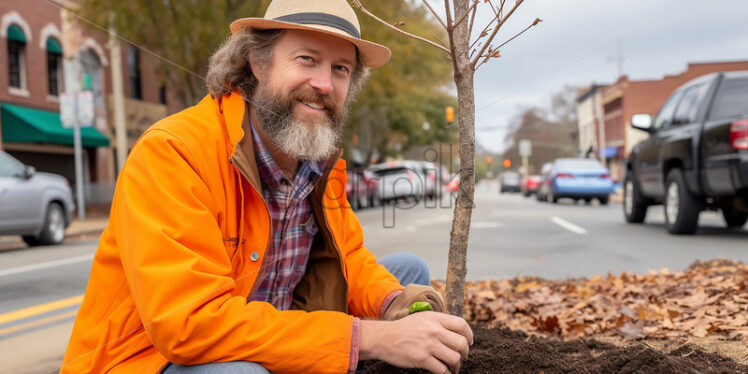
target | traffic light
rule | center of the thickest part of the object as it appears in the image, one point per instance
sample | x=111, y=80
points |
x=489, y=160
x=507, y=163
x=450, y=114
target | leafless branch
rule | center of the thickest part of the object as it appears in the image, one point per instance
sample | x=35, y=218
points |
x=534, y=23
x=472, y=8
x=436, y=15
x=472, y=20
x=495, y=30
x=416, y=37
x=447, y=10
x=495, y=12
x=495, y=50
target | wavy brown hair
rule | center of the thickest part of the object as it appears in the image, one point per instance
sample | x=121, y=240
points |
x=229, y=69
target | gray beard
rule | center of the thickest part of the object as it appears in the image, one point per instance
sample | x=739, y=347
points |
x=303, y=140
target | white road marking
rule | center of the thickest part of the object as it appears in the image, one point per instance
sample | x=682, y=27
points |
x=569, y=226
x=45, y=265
x=486, y=225
x=434, y=220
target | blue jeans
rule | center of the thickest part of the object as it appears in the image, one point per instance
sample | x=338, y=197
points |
x=406, y=267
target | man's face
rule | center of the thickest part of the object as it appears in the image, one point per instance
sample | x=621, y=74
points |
x=300, y=99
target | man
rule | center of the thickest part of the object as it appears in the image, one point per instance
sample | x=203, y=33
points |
x=230, y=246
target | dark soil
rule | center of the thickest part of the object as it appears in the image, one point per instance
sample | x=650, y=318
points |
x=505, y=351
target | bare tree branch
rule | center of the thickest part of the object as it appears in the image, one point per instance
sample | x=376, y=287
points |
x=436, y=15
x=361, y=6
x=472, y=8
x=534, y=23
x=495, y=30
x=489, y=55
x=472, y=20
x=448, y=10
x=495, y=12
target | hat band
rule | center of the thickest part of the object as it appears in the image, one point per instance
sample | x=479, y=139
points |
x=314, y=18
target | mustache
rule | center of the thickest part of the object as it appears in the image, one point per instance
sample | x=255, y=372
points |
x=311, y=95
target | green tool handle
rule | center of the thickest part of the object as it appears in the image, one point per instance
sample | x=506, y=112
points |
x=419, y=306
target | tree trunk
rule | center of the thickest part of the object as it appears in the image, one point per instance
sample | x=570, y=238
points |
x=458, y=243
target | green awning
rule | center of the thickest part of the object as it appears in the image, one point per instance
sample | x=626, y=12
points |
x=21, y=124
x=16, y=34
x=53, y=46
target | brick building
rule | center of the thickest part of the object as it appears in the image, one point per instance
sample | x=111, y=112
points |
x=624, y=98
x=45, y=51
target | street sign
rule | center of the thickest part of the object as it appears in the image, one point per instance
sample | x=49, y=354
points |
x=67, y=110
x=85, y=108
x=525, y=148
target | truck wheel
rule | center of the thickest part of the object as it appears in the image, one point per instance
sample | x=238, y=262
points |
x=53, y=231
x=681, y=208
x=734, y=218
x=634, y=206
x=603, y=200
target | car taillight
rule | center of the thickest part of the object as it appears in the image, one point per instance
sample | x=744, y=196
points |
x=410, y=175
x=605, y=176
x=564, y=175
x=739, y=134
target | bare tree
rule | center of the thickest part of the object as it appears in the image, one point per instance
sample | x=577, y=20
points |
x=466, y=57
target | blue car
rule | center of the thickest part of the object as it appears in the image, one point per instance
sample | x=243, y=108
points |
x=579, y=179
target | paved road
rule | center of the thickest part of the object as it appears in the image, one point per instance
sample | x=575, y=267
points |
x=510, y=236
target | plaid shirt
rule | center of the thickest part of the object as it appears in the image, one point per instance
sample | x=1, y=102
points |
x=294, y=226
x=294, y=229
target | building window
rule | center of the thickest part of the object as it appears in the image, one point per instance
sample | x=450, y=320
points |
x=133, y=63
x=54, y=66
x=16, y=57
x=162, y=94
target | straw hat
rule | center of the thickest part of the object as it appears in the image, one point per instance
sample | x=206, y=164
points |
x=334, y=17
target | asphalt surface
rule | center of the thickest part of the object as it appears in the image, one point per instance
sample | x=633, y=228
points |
x=510, y=235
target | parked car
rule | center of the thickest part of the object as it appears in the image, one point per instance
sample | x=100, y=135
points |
x=530, y=185
x=361, y=189
x=427, y=171
x=38, y=206
x=398, y=180
x=579, y=179
x=545, y=182
x=510, y=182
x=696, y=156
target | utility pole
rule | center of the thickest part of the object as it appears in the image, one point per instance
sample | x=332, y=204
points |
x=600, y=122
x=118, y=98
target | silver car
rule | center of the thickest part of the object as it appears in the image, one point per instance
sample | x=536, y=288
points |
x=38, y=206
x=399, y=180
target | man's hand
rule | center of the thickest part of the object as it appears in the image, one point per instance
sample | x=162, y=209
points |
x=433, y=341
x=411, y=294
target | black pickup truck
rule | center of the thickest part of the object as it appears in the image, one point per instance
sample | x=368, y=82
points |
x=696, y=157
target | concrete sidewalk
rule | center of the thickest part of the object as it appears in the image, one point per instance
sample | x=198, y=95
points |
x=91, y=226
x=90, y=229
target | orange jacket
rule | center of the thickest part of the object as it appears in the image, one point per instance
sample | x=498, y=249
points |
x=176, y=263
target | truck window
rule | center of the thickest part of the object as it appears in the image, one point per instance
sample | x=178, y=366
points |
x=665, y=116
x=689, y=105
x=731, y=100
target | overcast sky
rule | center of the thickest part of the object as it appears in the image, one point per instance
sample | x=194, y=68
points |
x=577, y=44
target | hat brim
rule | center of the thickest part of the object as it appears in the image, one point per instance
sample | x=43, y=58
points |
x=371, y=54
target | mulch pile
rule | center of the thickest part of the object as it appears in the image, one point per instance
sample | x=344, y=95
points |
x=532, y=325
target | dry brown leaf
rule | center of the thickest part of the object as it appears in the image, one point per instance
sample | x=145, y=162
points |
x=632, y=330
x=527, y=286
